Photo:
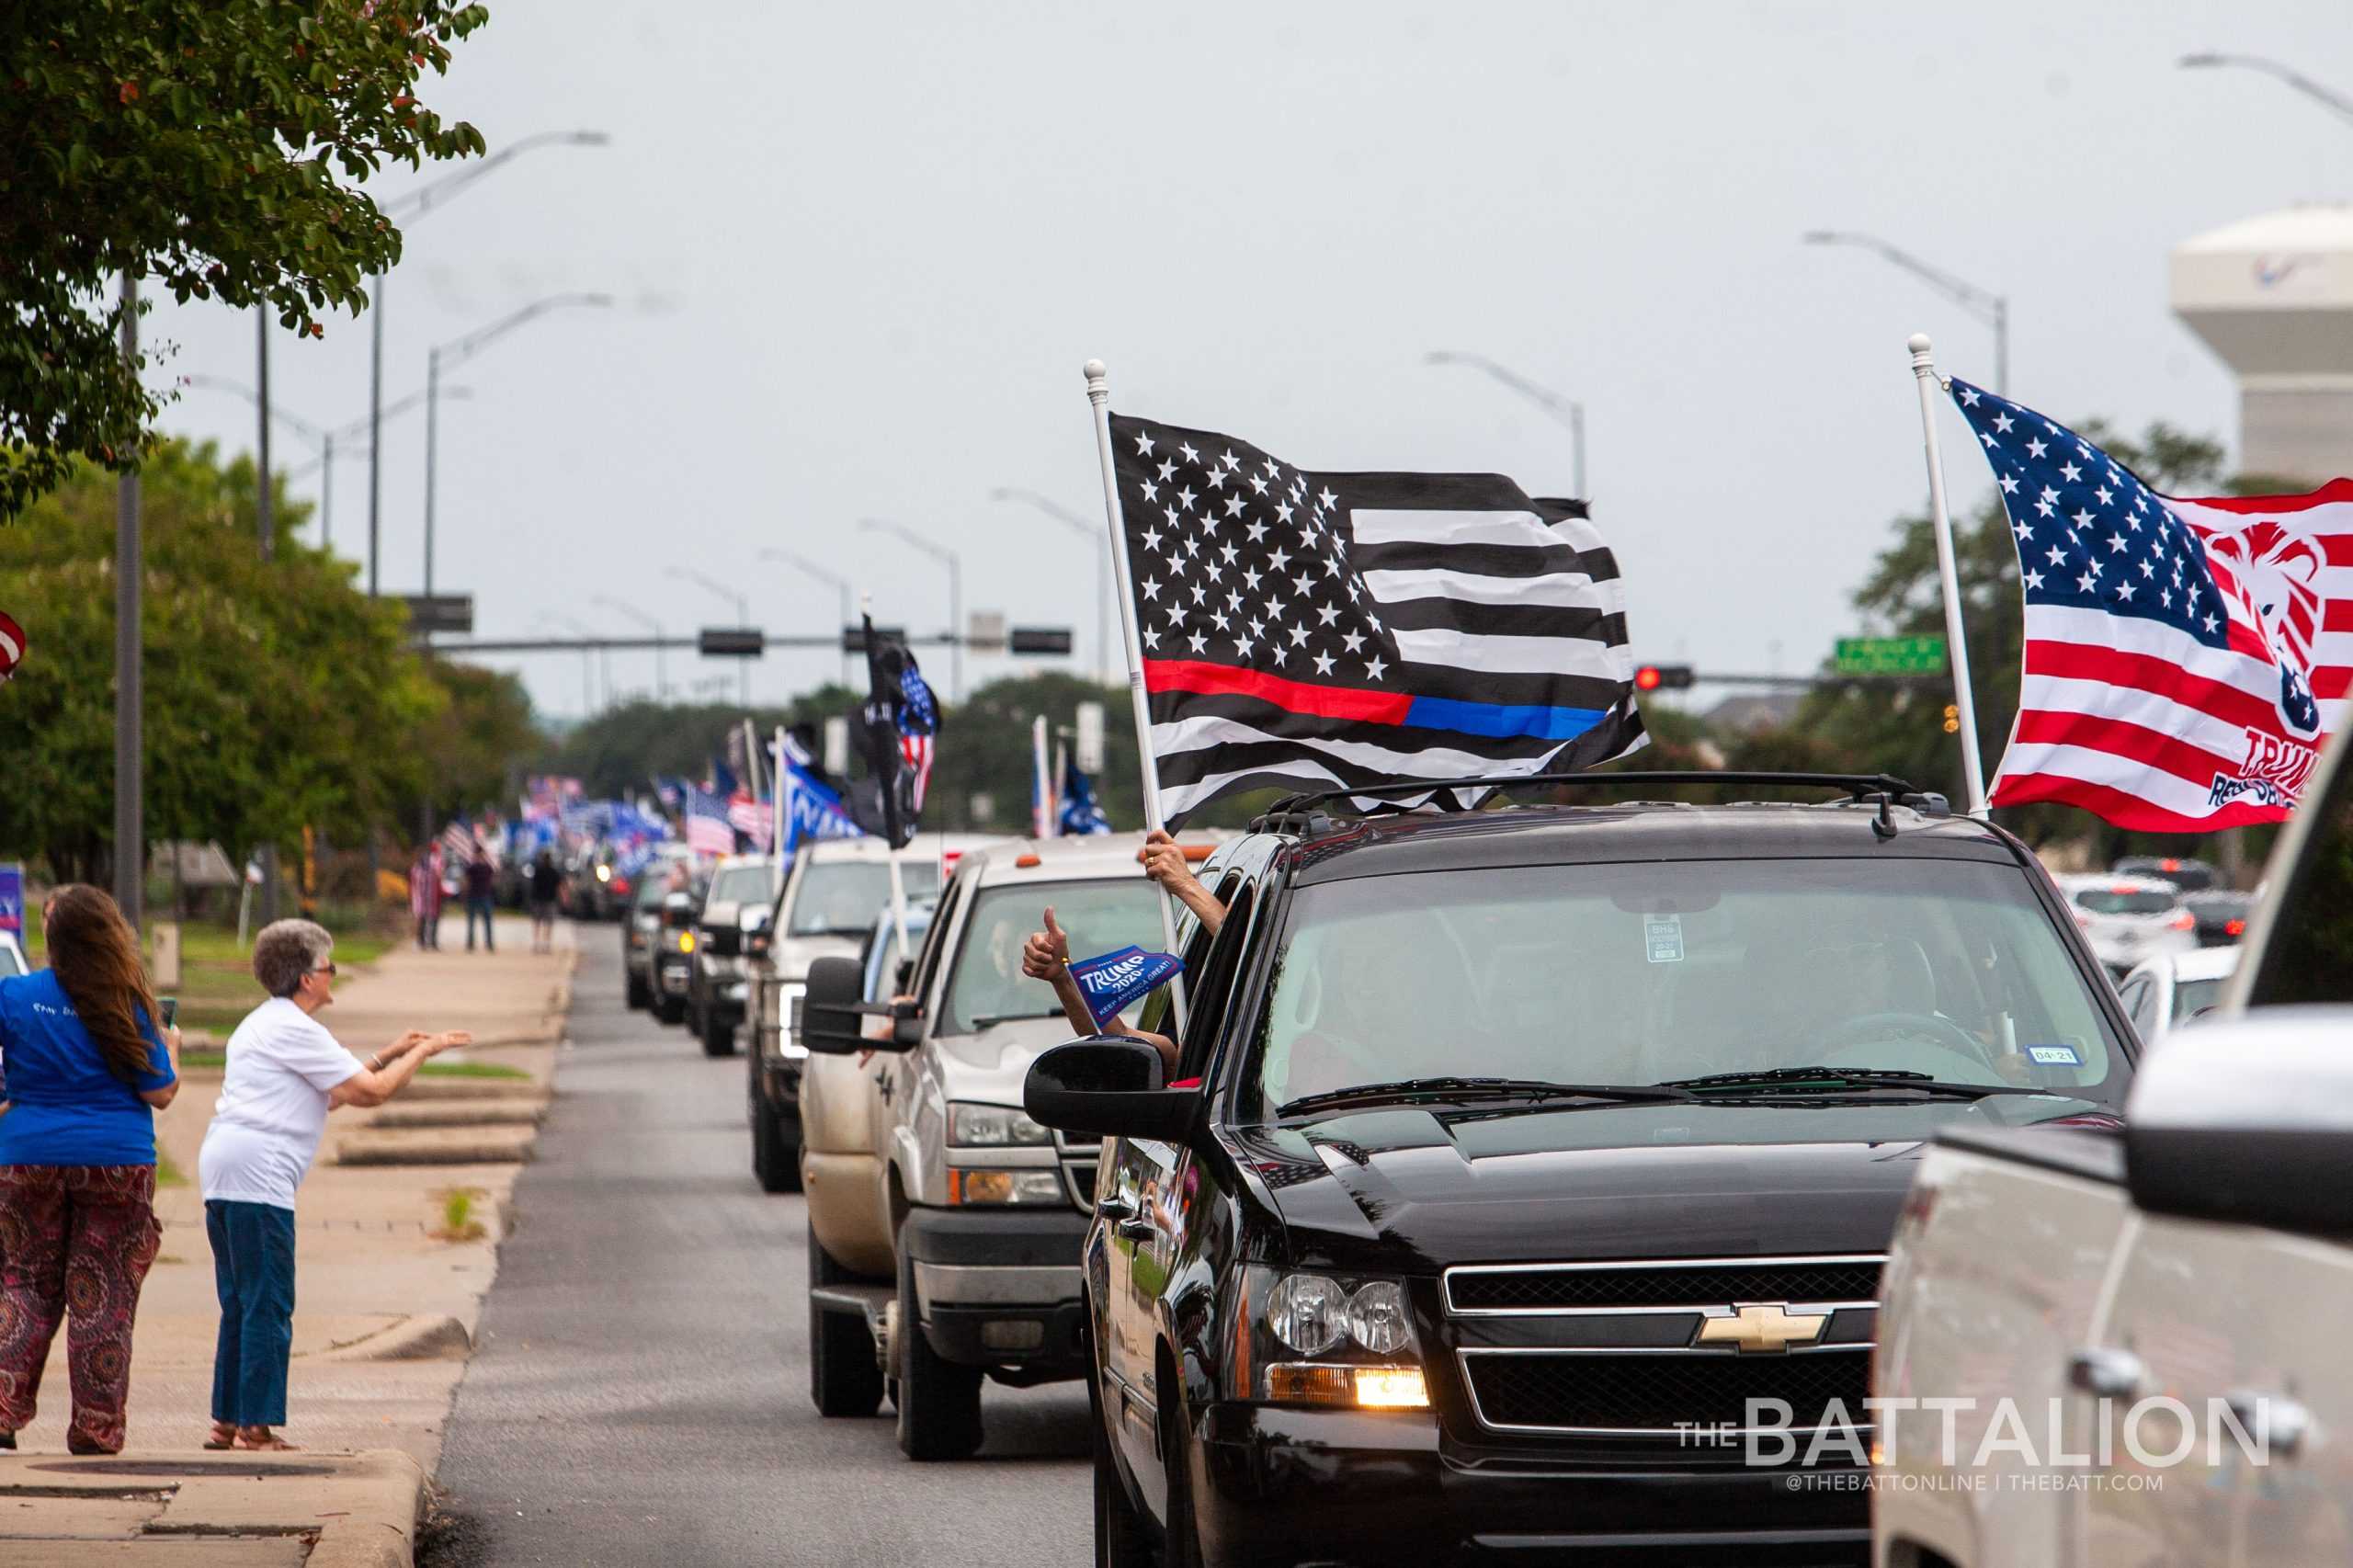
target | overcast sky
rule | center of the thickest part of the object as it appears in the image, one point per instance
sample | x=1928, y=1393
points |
x=862, y=252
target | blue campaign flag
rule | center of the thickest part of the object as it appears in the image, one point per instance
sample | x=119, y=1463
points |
x=811, y=811
x=12, y=898
x=722, y=779
x=1080, y=812
x=1119, y=979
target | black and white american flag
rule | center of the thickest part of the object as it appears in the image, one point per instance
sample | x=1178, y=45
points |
x=1322, y=630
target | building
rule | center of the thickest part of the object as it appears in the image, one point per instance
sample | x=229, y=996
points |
x=2273, y=298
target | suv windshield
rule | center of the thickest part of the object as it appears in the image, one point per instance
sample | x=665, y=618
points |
x=746, y=884
x=841, y=898
x=987, y=983
x=1645, y=974
x=2125, y=901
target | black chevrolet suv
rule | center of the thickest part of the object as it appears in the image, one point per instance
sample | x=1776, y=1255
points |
x=1527, y=1173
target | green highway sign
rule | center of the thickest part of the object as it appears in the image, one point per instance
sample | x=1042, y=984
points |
x=1888, y=655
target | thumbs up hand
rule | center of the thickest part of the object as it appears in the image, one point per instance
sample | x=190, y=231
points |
x=1046, y=955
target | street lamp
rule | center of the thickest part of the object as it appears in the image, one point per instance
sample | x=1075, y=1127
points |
x=840, y=584
x=743, y=619
x=661, y=678
x=1983, y=304
x=412, y=205
x=2337, y=102
x=955, y=595
x=1568, y=410
x=1102, y=537
x=331, y=444
x=460, y=350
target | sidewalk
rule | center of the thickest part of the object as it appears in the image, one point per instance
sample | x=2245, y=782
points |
x=386, y=1303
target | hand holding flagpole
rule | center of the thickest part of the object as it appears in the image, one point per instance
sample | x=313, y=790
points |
x=1098, y=393
x=1924, y=369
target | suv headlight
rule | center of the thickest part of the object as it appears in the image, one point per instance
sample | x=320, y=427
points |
x=993, y=1126
x=966, y=1187
x=788, y=1016
x=1317, y=1339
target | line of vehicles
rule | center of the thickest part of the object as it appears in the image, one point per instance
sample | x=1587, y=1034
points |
x=1517, y=1174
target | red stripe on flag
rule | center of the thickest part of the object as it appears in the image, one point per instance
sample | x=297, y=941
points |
x=2137, y=742
x=2110, y=666
x=1293, y=696
x=2334, y=490
x=2125, y=811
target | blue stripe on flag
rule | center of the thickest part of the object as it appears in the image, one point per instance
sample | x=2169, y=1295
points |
x=1497, y=720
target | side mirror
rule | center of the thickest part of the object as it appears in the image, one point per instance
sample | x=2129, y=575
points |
x=721, y=934
x=1108, y=1086
x=831, y=1008
x=2248, y=1121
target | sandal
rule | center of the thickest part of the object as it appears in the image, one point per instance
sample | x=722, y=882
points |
x=224, y=1436
x=267, y=1442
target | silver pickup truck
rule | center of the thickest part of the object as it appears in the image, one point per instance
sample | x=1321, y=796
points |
x=2125, y=1347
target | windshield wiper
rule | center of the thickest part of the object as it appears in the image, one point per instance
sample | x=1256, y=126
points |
x=1459, y=1088
x=990, y=1021
x=1802, y=1080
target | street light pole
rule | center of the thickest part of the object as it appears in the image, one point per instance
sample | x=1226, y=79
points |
x=268, y=527
x=460, y=350
x=661, y=659
x=2336, y=102
x=840, y=584
x=1102, y=538
x=1992, y=309
x=743, y=619
x=1567, y=410
x=955, y=595
x=129, y=814
x=412, y=204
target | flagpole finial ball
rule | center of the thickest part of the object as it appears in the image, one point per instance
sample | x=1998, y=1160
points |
x=1918, y=343
x=1097, y=370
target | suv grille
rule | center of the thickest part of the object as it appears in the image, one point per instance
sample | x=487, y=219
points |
x=1718, y=1284
x=1654, y=1394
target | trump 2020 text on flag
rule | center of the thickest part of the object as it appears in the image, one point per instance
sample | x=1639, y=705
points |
x=2185, y=659
x=1329, y=630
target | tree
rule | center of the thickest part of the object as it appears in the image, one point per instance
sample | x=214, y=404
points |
x=206, y=144
x=277, y=693
x=475, y=745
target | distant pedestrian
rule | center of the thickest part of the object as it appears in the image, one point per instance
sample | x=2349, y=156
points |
x=86, y=1069
x=284, y=1072
x=481, y=886
x=547, y=885
x=424, y=896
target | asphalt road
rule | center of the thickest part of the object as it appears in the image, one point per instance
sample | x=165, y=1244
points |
x=641, y=1395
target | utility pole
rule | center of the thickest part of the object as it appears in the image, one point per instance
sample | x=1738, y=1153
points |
x=130, y=816
x=376, y=429
x=262, y=512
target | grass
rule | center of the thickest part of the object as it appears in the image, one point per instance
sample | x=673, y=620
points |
x=205, y=1056
x=167, y=1172
x=457, y=1221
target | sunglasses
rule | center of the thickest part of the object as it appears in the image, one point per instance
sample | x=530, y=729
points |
x=324, y=969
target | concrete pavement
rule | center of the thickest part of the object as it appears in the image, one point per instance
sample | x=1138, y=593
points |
x=387, y=1302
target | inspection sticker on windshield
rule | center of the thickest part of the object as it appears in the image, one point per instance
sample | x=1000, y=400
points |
x=1663, y=938
x=2054, y=1055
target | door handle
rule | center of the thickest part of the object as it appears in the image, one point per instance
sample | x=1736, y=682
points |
x=1120, y=1209
x=2107, y=1373
x=2274, y=1420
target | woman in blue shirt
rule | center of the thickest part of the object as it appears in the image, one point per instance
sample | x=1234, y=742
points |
x=86, y=1070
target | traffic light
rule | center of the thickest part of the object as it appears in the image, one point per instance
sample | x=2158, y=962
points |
x=1952, y=718
x=1663, y=677
x=1040, y=640
x=731, y=643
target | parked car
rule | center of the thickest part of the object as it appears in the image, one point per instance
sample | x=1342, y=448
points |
x=2201, y=1257
x=642, y=930
x=731, y=932
x=1527, y=1148
x=2166, y=992
x=2221, y=916
x=832, y=893
x=2130, y=918
x=12, y=957
x=2189, y=876
x=978, y=1211
x=843, y=1161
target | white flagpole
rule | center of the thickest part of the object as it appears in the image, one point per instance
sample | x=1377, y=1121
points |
x=1098, y=392
x=1059, y=771
x=1041, y=802
x=1924, y=371
x=778, y=817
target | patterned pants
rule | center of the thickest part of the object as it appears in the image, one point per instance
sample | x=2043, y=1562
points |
x=77, y=1237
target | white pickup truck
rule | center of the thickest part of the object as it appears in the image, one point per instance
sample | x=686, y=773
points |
x=2126, y=1347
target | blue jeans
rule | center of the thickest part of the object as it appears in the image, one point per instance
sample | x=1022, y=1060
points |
x=253, y=1269
x=485, y=907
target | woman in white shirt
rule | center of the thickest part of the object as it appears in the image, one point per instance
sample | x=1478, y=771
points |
x=285, y=1072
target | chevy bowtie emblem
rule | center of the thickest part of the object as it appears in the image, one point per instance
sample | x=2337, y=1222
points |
x=1768, y=1328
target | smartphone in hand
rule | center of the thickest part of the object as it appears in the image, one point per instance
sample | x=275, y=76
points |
x=171, y=1009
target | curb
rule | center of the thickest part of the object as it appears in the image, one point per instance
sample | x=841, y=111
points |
x=428, y=1337
x=364, y=1506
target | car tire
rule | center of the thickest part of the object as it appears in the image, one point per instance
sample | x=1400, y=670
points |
x=718, y=1036
x=1121, y=1540
x=669, y=1009
x=940, y=1402
x=775, y=1159
x=843, y=1377
x=639, y=994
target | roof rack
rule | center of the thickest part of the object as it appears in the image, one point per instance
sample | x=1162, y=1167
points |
x=1885, y=789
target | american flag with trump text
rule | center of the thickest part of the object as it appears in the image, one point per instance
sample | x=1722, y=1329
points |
x=1324, y=630
x=2186, y=659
